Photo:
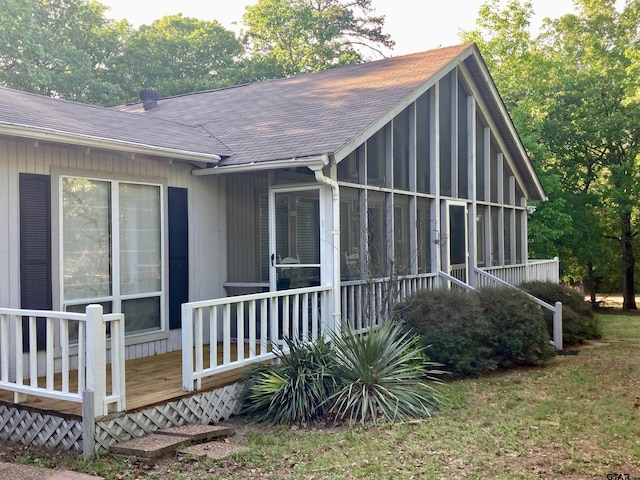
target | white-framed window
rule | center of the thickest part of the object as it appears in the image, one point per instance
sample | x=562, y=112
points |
x=111, y=249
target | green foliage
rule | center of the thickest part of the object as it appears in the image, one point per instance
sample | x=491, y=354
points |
x=573, y=95
x=578, y=321
x=382, y=376
x=451, y=323
x=68, y=49
x=298, y=36
x=59, y=48
x=478, y=331
x=177, y=55
x=295, y=390
x=519, y=332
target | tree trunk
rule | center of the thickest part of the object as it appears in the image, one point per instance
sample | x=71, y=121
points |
x=628, y=264
x=591, y=286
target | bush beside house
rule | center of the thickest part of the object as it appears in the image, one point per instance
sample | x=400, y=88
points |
x=472, y=332
x=578, y=321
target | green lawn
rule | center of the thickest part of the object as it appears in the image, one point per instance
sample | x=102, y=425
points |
x=576, y=418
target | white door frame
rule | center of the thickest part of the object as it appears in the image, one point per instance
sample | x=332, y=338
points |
x=445, y=246
x=274, y=260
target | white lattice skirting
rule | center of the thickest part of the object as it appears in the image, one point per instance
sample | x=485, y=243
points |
x=204, y=408
x=40, y=429
x=44, y=429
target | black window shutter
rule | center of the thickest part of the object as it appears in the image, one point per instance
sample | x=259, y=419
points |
x=35, y=248
x=178, y=253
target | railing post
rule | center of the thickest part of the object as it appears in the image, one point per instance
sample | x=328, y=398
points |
x=557, y=326
x=96, y=358
x=187, y=349
x=88, y=425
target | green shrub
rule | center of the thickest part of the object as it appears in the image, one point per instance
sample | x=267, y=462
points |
x=519, y=331
x=382, y=375
x=294, y=390
x=452, y=324
x=578, y=321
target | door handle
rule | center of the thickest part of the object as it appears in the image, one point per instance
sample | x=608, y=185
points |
x=273, y=258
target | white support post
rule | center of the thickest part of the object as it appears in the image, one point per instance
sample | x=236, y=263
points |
x=557, y=326
x=187, y=349
x=455, y=166
x=96, y=358
x=472, y=191
x=434, y=178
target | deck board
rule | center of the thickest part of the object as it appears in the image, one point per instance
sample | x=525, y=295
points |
x=149, y=381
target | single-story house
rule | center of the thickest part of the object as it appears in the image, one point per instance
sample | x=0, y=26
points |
x=211, y=224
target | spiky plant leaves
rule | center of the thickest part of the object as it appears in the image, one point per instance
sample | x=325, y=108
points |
x=295, y=390
x=382, y=376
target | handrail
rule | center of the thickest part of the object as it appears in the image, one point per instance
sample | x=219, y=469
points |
x=454, y=280
x=556, y=309
x=499, y=281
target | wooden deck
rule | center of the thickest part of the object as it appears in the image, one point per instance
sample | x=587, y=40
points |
x=150, y=381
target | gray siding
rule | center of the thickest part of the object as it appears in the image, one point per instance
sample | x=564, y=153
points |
x=207, y=213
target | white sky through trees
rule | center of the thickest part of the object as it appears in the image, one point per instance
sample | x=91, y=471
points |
x=415, y=25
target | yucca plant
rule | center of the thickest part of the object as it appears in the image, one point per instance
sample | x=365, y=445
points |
x=382, y=376
x=294, y=390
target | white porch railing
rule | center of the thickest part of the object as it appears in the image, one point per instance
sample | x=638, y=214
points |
x=75, y=347
x=544, y=270
x=485, y=279
x=258, y=321
x=365, y=304
x=246, y=327
x=533, y=270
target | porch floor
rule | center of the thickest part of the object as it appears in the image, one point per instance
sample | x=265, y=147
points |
x=149, y=381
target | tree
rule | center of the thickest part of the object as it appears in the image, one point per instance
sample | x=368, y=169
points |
x=520, y=72
x=177, y=55
x=572, y=92
x=594, y=124
x=289, y=37
x=58, y=48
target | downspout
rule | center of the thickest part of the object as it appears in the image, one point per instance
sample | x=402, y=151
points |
x=335, y=231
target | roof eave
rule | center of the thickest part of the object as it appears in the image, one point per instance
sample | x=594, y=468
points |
x=57, y=136
x=318, y=161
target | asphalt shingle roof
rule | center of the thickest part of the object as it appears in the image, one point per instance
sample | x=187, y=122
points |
x=49, y=115
x=305, y=115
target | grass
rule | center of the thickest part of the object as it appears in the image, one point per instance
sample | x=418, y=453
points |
x=575, y=418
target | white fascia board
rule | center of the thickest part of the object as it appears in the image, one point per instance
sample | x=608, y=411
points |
x=51, y=135
x=315, y=162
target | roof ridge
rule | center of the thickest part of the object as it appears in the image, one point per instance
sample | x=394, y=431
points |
x=461, y=46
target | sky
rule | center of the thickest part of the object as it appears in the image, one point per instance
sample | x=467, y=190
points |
x=415, y=25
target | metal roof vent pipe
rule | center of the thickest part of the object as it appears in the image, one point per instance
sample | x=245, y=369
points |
x=149, y=97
